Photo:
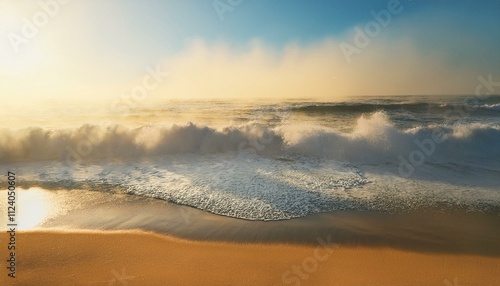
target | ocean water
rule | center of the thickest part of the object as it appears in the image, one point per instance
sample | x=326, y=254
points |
x=268, y=160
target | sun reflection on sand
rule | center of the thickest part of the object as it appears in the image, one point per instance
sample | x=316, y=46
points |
x=33, y=207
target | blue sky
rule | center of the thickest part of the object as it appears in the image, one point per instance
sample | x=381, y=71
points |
x=166, y=24
x=105, y=45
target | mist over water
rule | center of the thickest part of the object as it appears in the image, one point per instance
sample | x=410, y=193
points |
x=271, y=160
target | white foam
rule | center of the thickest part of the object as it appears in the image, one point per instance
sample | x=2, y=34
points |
x=249, y=186
x=492, y=106
x=374, y=139
x=255, y=172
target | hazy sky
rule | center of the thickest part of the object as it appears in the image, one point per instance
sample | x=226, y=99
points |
x=100, y=50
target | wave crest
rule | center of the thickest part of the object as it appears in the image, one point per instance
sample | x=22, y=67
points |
x=119, y=142
x=375, y=138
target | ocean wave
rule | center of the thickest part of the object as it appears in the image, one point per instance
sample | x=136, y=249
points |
x=495, y=107
x=374, y=139
x=468, y=106
x=255, y=172
x=365, y=107
x=119, y=142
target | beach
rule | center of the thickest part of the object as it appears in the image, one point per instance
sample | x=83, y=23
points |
x=252, y=143
x=140, y=258
x=113, y=239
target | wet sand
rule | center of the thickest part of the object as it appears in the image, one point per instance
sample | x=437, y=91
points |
x=139, y=258
x=423, y=231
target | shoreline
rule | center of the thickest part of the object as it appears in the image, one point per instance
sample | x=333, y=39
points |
x=94, y=238
x=144, y=258
x=427, y=231
x=432, y=231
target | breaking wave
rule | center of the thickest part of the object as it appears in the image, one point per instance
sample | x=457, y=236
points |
x=373, y=139
x=253, y=171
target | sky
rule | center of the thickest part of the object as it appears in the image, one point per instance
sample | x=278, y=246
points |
x=97, y=51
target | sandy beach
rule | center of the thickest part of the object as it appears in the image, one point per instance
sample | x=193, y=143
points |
x=140, y=258
x=252, y=143
x=129, y=240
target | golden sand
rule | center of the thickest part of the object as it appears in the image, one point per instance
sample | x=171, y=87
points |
x=138, y=258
